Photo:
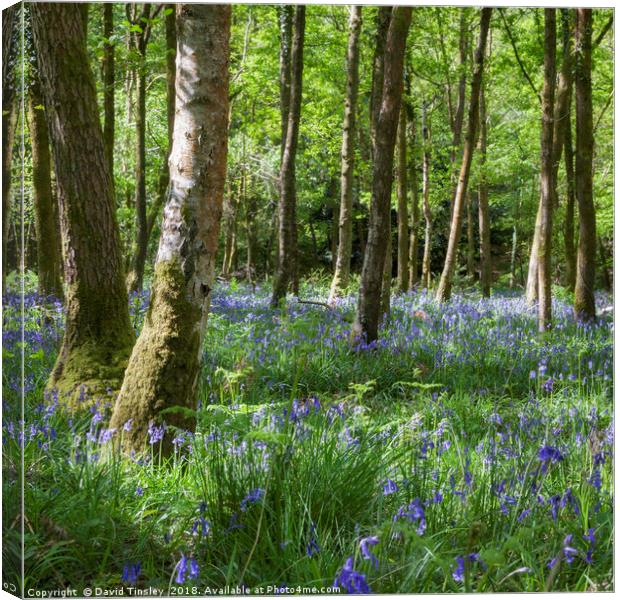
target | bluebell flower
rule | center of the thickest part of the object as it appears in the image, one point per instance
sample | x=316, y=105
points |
x=139, y=491
x=312, y=548
x=252, y=497
x=130, y=573
x=595, y=479
x=569, y=552
x=204, y=526
x=389, y=487
x=186, y=569
x=414, y=513
x=459, y=573
x=352, y=581
x=156, y=434
x=548, y=385
x=365, y=544
x=127, y=425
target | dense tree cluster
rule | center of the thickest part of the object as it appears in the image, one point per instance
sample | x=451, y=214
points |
x=389, y=148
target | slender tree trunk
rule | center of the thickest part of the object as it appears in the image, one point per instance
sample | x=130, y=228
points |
x=586, y=251
x=48, y=259
x=98, y=335
x=386, y=286
x=382, y=24
x=469, y=209
x=459, y=115
x=347, y=156
x=108, y=85
x=606, y=258
x=10, y=18
x=484, y=224
x=250, y=226
x=415, y=210
x=164, y=177
x=164, y=366
x=401, y=192
x=561, y=119
x=547, y=184
x=445, y=283
x=287, y=239
x=285, y=17
x=369, y=306
x=569, y=221
x=426, y=206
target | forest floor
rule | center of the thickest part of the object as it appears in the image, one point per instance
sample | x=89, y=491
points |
x=464, y=452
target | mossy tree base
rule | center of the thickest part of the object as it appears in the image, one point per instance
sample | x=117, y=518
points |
x=164, y=365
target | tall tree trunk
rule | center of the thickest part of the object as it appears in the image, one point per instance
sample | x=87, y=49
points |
x=250, y=227
x=459, y=115
x=369, y=306
x=10, y=17
x=415, y=209
x=606, y=259
x=569, y=220
x=347, y=157
x=445, y=283
x=426, y=206
x=164, y=176
x=561, y=122
x=382, y=24
x=484, y=224
x=469, y=258
x=48, y=259
x=285, y=17
x=287, y=239
x=98, y=335
x=401, y=192
x=386, y=286
x=164, y=366
x=547, y=184
x=136, y=273
x=586, y=251
x=108, y=85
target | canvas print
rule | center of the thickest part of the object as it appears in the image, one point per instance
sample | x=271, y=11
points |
x=306, y=299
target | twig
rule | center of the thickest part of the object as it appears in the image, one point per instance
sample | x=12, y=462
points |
x=314, y=302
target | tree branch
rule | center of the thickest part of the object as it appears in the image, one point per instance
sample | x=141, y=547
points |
x=601, y=35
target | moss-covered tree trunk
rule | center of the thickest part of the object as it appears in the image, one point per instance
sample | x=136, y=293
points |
x=586, y=250
x=369, y=304
x=347, y=156
x=569, y=218
x=98, y=336
x=287, y=230
x=547, y=184
x=444, y=288
x=49, y=269
x=10, y=17
x=165, y=363
x=402, y=275
x=426, y=206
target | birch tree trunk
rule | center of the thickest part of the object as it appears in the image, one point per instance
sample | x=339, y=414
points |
x=98, y=335
x=164, y=366
x=586, y=251
x=287, y=239
x=547, y=184
x=369, y=305
x=445, y=283
x=347, y=155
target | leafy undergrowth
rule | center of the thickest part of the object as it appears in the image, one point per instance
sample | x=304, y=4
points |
x=464, y=452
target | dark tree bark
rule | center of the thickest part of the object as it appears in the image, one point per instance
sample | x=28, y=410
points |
x=426, y=206
x=484, y=224
x=98, y=335
x=445, y=283
x=401, y=192
x=382, y=25
x=140, y=41
x=569, y=219
x=287, y=239
x=164, y=176
x=547, y=183
x=469, y=258
x=415, y=209
x=10, y=17
x=561, y=121
x=285, y=17
x=586, y=251
x=49, y=269
x=347, y=156
x=108, y=85
x=165, y=363
x=369, y=306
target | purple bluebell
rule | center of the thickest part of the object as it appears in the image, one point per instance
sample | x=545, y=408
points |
x=350, y=580
x=365, y=545
x=389, y=487
x=252, y=497
x=131, y=571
